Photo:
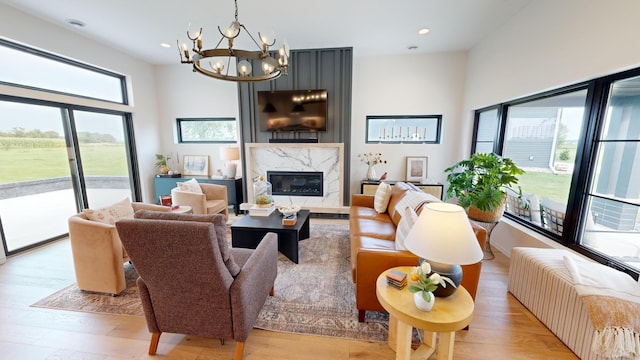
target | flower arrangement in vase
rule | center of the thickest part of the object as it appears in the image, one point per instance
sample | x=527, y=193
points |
x=424, y=283
x=371, y=159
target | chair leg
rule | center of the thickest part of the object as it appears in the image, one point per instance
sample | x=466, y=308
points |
x=155, y=339
x=239, y=350
x=361, y=314
x=272, y=291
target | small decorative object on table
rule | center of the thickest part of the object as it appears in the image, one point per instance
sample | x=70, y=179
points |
x=287, y=210
x=397, y=278
x=372, y=159
x=262, y=193
x=424, y=282
x=289, y=220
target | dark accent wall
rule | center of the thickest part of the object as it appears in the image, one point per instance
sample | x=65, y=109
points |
x=329, y=69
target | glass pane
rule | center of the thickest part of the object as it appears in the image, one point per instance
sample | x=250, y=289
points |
x=616, y=172
x=487, y=126
x=222, y=130
x=27, y=69
x=613, y=228
x=36, y=193
x=484, y=147
x=623, y=113
x=541, y=137
x=103, y=153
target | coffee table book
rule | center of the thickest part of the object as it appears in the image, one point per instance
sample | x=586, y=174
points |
x=258, y=211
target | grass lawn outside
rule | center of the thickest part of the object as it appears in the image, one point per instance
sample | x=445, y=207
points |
x=546, y=184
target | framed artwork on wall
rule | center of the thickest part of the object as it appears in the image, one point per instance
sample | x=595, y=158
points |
x=416, y=168
x=195, y=165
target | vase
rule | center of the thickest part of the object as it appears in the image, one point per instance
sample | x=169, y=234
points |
x=421, y=303
x=371, y=173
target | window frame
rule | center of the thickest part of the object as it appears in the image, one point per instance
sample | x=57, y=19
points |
x=585, y=162
x=181, y=140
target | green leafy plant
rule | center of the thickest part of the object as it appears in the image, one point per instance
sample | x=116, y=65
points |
x=161, y=160
x=263, y=199
x=427, y=282
x=481, y=181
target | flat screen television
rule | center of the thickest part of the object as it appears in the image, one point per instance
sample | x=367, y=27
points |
x=293, y=110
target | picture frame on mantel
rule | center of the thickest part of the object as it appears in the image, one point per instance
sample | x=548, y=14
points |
x=416, y=168
x=195, y=165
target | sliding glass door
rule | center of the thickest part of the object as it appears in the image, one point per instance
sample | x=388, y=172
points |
x=57, y=160
x=36, y=191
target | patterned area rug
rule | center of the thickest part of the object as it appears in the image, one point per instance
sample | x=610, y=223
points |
x=314, y=297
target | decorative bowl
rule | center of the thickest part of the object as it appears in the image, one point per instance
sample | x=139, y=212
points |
x=287, y=210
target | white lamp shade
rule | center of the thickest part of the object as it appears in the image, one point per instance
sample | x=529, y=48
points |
x=442, y=233
x=230, y=153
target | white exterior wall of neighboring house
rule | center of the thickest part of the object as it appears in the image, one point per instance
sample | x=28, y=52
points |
x=29, y=30
x=547, y=45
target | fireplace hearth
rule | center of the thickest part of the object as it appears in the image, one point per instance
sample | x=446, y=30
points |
x=296, y=183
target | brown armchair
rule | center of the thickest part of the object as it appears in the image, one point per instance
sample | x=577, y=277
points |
x=192, y=282
x=97, y=252
x=213, y=199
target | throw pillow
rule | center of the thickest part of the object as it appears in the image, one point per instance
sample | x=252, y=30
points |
x=406, y=223
x=216, y=219
x=190, y=186
x=381, y=199
x=111, y=214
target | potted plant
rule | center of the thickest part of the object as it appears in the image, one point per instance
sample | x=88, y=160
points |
x=480, y=184
x=161, y=163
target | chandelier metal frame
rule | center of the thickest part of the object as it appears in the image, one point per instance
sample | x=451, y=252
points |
x=271, y=67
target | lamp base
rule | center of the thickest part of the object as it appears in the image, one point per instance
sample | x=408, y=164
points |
x=453, y=272
x=230, y=170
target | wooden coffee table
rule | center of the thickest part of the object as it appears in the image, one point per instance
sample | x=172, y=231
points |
x=448, y=315
x=249, y=231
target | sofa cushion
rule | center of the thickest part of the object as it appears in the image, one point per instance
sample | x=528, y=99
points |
x=111, y=214
x=190, y=186
x=397, y=193
x=408, y=219
x=381, y=200
x=216, y=219
x=381, y=229
x=415, y=200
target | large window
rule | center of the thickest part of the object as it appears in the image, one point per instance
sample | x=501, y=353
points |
x=580, y=148
x=59, y=158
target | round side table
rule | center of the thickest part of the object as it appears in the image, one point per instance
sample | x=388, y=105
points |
x=183, y=209
x=489, y=226
x=448, y=315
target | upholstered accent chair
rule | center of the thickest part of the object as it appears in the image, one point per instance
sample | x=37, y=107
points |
x=192, y=282
x=98, y=256
x=212, y=200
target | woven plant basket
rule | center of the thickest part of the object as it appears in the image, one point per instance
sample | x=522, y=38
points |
x=486, y=216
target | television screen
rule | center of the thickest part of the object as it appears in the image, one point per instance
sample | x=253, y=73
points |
x=293, y=110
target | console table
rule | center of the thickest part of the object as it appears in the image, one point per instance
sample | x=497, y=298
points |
x=163, y=186
x=369, y=187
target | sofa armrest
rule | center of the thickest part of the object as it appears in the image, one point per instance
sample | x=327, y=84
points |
x=253, y=284
x=362, y=200
x=153, y=207
x=215, y=192
x=196, y=201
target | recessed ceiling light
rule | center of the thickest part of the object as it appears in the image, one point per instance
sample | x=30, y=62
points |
x=75, y=23
x=165, y=45
x=423, y=31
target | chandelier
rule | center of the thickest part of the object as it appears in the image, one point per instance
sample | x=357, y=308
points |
x=217, y=62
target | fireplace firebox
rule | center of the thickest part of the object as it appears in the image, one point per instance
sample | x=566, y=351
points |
x=296, y=183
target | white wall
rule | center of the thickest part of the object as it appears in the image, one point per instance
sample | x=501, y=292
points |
x=547, y=45
x=420, y=84
x=185, y=94
x=18, y=26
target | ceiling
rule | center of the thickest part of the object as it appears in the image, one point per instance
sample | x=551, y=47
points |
x=371, y=27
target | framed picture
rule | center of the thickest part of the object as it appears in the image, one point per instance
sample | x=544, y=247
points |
x=403, y=129
x=416, y=168
x=195, y=165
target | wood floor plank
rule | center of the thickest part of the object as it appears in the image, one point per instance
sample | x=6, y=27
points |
x=501, y=329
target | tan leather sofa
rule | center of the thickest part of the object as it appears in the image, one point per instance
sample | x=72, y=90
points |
x=373, y=245
x=98, y=255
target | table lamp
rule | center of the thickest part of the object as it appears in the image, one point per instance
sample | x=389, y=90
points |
x=442, y=235
x=230, y=154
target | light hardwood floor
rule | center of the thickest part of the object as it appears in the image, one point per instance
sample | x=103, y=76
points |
x=501, y=329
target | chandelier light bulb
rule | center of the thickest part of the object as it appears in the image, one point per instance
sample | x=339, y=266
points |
x=267, y=68
x=217, y=66
x=244, y=68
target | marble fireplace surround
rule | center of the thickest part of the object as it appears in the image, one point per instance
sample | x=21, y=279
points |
x=325, y=157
